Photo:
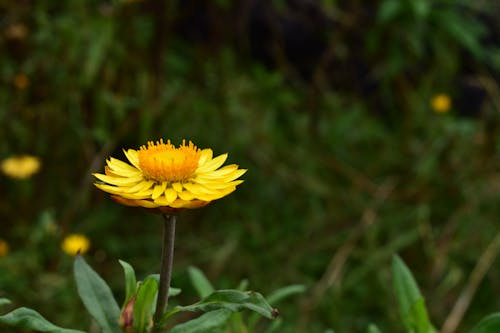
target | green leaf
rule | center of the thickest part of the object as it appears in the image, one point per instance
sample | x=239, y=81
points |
x=285, y=292
x=200, y=282
x=144, y=305
x=30, y=319
x=411, y=301
x=96, y=296
x=4, y=301
x=204, y=323
x=130, y=281
x=171, y=291
x=233, y=300
x=489, y=324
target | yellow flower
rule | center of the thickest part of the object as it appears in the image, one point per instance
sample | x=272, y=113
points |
x=75, y=244
x=16, y=31
x=4, y=248
x=441, y=103
x=21, y=81
x=20, y=167
x=167, y=179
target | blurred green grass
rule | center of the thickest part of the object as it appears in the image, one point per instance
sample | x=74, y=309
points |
x=346, y=166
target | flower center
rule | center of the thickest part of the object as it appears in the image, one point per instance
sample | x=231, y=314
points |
x=163, y=162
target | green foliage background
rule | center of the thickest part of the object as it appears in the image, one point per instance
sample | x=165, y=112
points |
x=347, y=164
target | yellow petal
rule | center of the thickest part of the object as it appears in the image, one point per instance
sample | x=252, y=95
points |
x=109, y=188
x=139, y=195
x=159, y=190
x=161, y=201
x=122, y=168
x=177, y=186
x=197, y=189
x=215, y=196
x=206, y=155
x=109, y=172
x=217, y=173
x=133, y=157
x=132, y=202
x=167, y=199
x=234, y=175
x=142, y=186
x=186, y=195
x=179, y=203
x=226, y=176
x=170, y=195
x=121, y=192
x=221, y=185
x=211, y=165
x=118, y=181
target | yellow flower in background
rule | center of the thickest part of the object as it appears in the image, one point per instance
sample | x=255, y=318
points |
x=167, y=179
x=441, y=103
x=74, y=244
x=20, y=167
x=21, y=81
x=4, y=248
x=16, y=31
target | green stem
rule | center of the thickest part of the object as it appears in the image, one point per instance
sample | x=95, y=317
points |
x=167, y=256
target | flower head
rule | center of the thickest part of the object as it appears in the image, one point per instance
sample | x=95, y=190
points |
x=441, y=103
x=20, y=167
x=166, y=178
x=4, y=248
x=74, y=244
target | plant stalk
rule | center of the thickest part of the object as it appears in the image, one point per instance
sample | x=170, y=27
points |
x=167, y=256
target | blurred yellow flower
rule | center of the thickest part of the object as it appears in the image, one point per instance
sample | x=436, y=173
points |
x=74, y=244
x=441, y=103
x=167, y=179
x=21, y=166
x=4, y=248
x=21, y=81
x=17, y=31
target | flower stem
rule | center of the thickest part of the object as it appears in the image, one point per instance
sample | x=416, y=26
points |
x=167, y=256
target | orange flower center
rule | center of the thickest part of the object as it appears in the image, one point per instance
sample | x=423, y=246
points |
x=163, y=162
